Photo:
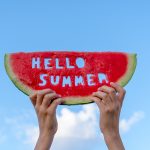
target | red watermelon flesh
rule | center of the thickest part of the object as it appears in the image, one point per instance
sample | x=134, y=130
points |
x=74, y=75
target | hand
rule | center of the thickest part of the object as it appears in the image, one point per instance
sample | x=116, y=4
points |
x=45, y=103
x=109, y=101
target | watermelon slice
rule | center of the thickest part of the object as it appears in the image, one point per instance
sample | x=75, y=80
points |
x=74, y=75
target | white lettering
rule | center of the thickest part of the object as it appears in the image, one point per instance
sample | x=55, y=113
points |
x=57, y=64
x=102, y=77
x=47, y=63
x=68, y=63
x=66, y=81
x=42, y=76
x=56, y=80
x=80, y=62
x=90, y=80
x=79, y=80
x=36, y=62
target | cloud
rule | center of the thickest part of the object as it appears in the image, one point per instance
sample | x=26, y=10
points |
x=72, y=125
x=126, y=124
x=80, y=124
x=77, y=130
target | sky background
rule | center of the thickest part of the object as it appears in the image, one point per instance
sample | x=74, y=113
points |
x=79, y=25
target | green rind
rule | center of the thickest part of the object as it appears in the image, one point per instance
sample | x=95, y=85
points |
x=77, y=100
x=132, y=61
x=25, y=89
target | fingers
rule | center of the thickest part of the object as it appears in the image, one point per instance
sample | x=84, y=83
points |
x=40, y=96
x=121, y=91
x=37, y=97
x=109, y=90
x=54, y=105
x=97, y=101
x=33, y=98
x=107, y=95
x=102, y=96
x=48, y=98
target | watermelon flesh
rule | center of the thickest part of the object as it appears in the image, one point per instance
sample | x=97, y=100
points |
x=74, y=75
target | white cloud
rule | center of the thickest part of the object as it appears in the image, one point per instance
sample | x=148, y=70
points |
x=73, y=125
x=80, y=124
x=126, y=124
x=77, y=130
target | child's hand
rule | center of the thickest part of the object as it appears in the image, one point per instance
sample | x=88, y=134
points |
x=45, y=103
x=109, y=101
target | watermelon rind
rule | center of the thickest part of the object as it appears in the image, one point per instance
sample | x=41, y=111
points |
x=28, y=90
x=132, y=62
x=72, y=100
x=22, y=87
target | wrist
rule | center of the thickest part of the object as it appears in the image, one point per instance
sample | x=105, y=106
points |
x=44, y=141
x=111, y=137
x=113, y=141
x=46, y=135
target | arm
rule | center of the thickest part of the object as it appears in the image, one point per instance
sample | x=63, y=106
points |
x=109, y=101
x=45, y=103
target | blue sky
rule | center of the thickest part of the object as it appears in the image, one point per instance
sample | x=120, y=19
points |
x=80, y=25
